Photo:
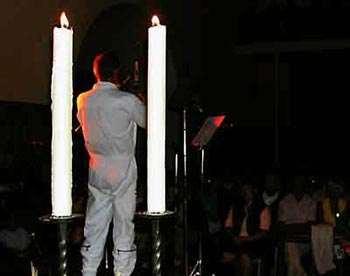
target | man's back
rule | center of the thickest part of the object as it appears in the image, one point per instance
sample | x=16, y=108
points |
x=109, y=117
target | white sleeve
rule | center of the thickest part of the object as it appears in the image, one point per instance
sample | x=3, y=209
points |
x=139, y=113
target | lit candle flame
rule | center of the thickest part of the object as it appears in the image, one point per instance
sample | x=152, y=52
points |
x=64, y=20
x=155, y=21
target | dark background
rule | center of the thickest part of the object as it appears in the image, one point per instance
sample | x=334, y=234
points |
x=276, y=69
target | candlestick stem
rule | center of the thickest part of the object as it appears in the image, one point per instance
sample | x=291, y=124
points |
x=156, y=248
x=156, y=237
x=62, y=223
x=62, y=247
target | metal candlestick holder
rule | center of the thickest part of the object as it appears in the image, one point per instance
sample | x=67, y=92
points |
x=62, y=222
x=155, y=218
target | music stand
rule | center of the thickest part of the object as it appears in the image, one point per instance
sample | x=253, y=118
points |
x=205, y=134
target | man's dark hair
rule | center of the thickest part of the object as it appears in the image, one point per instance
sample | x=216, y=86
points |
x=105, y=65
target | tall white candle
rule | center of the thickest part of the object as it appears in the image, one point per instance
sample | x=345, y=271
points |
x=156, y=117
x=61, y=106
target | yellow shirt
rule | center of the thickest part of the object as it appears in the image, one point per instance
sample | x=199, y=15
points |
x=328, y=216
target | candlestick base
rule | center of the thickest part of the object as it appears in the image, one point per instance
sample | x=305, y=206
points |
x=62, y=222
x=155, y=218
x=58, y=219
x=153, y=215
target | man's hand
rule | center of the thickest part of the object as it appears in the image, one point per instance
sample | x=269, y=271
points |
x=135, y=83
x=129, y=82
x=120, y=81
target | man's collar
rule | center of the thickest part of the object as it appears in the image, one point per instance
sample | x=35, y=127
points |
x=269, y=199
x=105, y=85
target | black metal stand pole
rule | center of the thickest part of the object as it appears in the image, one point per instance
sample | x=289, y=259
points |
x=62, y=223
x=200, y=234
x=199, y=263
x=185, y=200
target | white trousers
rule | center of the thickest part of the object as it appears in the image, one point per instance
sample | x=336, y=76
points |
x=104, y=206
x=321, y=247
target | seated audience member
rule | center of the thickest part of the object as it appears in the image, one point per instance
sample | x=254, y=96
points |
x=297, y=217
x=14, y=244
x=334, y=206
x=334, y=211
x=246, y=227
x=212, y=226
x=227, y=193
x=317, y=188
x=271, y=196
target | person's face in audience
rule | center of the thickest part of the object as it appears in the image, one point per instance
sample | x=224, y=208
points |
x=335, y=189
x=298, y=187
x=272, y=185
